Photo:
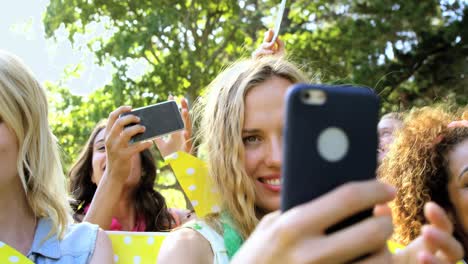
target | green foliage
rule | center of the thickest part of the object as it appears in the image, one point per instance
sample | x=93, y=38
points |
x=411, y=52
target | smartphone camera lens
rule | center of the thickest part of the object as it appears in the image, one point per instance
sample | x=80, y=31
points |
x=314, y=97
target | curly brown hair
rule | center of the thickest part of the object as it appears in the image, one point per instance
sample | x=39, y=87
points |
x=417, y=166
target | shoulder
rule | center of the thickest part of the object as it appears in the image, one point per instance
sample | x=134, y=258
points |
x=84, y=232
x=103, y=249
x=66, y=249
x=195, y=247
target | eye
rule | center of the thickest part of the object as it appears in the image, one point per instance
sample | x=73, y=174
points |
x=385, y=133
x=251, y=139
x=101, y=148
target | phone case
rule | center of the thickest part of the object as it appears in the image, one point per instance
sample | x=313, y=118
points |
x=159, y=119
x=329, y=144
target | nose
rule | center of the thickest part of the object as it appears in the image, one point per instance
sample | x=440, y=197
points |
x=274, y=156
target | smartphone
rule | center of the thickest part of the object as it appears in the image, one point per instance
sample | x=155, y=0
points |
x=159, y=119
x=330, y=138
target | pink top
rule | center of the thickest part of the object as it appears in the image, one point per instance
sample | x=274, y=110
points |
x=140, y=225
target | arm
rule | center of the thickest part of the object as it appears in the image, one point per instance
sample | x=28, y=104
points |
x=118, y=165
x=103, y=250
x=298, y=235
x=185, y=246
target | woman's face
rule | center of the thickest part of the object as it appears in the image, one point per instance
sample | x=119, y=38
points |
x=262, y=135
x=8, y=157
x=458, y=185
x=386, y=129
x=99, y=162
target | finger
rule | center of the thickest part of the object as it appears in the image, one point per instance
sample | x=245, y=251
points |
x=114, y=115
x=188, y=146
x=460, y=123
x=339, y=204
x=365, y=237
x=382, y=210
x=139, y=147
x=382, y=256
x=425, y=257
x=159, y=142
x=267, y=46
x=120, y=123
x=187, y=121
x=444, y=242
x=348, y=244
x=130, y=132
x=268, y=35
x=437, y=217
x=280, y=46
x=184, y=103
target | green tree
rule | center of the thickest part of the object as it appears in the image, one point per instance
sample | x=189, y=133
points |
x=184, y=43
x=411, y=52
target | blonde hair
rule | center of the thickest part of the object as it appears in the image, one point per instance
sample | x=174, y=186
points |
x=221, y=118
x=393, y=115
x=25, y=111
x=416, y=165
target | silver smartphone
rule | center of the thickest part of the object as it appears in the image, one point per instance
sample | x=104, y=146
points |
x=159, y=119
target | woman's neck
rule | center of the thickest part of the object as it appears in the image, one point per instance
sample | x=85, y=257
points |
x=17, y=220
x=260, y=213
x=125, y=211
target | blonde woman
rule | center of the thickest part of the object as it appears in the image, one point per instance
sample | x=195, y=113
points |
x=35, y=217
x=241, y=129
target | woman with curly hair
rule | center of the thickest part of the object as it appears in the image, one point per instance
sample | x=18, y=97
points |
x=429, y=162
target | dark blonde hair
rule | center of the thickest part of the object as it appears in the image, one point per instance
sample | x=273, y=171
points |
x=221, y=118
x=417, y=166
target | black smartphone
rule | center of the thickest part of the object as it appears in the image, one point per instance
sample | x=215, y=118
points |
x=159, y=119
x=330, y=138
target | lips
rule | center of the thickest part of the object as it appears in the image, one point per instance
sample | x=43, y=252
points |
x=272, y=183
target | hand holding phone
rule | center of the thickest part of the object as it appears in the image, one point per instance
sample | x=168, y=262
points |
x=330, y=138
x=158, y=119
x=181, y=140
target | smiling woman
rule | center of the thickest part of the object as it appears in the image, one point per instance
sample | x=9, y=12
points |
x=133, y=204
x=241, y=127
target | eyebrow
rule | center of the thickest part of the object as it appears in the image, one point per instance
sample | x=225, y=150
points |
x=250, y=131
x=99, y=141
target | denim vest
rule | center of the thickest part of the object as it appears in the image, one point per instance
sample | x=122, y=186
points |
x=76, y=247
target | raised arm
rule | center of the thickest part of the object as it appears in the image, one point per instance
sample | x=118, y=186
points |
x=118, y=165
